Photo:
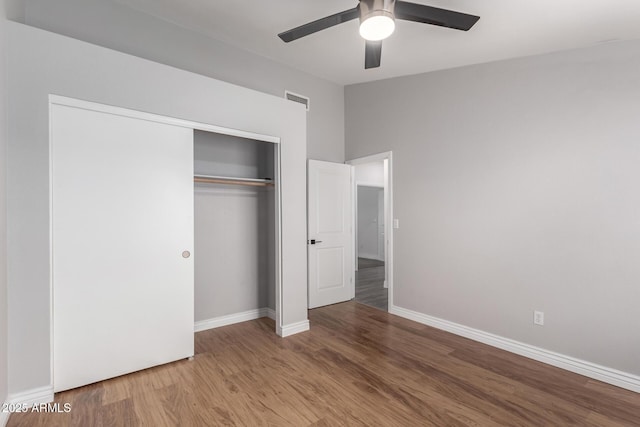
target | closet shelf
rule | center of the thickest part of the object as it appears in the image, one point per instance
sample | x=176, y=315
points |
x=253, y=182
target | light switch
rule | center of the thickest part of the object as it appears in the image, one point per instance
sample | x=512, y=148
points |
x=396, y=223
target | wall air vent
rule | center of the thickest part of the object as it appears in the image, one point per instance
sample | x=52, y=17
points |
x=300, y=99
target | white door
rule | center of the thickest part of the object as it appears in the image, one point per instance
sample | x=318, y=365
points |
x=330, y=250
x=122, y=215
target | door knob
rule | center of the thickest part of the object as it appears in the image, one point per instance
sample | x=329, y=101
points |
x=186, y=254
x=314, y=241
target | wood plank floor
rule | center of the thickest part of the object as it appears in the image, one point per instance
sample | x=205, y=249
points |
x=370, y=288
x=357, y=366
x=368, y=263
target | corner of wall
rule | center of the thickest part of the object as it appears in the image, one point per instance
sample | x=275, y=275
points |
x=4, y=369
x=14, y=10
x=293, y=328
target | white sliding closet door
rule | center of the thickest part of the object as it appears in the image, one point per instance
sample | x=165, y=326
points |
x=122, y=215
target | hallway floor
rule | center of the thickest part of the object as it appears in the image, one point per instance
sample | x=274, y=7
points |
x=370, y=288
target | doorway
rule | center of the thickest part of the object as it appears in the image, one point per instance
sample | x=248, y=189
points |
x=372, y=223
x=370, y=283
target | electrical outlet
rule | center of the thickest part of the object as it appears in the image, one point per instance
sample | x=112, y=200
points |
x=538, y=318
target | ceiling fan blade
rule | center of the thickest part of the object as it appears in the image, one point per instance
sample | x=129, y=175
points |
x=372, y=54
x=435, y=16
x=320, y=24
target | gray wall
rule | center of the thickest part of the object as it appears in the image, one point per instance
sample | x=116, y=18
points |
x=3, y=211
x=107, y=23
x=231, y=156
x=41, y=63
x=368, y=217
x=516, y=187
x=231, y=250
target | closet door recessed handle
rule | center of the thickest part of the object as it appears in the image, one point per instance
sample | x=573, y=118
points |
x=186, y=254
x=314, y=241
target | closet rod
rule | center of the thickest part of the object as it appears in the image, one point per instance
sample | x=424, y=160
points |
x=206, y=179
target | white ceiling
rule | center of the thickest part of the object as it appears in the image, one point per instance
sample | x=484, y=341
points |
x=506, y=29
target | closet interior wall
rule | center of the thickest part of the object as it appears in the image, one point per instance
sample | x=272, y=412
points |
x=234, y=227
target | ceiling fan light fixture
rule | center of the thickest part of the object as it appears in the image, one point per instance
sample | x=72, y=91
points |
x=377, y=22
x=378, y=25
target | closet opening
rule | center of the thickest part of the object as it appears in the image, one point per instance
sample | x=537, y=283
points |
x=236, y=229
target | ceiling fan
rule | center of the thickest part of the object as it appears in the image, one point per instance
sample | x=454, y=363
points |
x=377, y=22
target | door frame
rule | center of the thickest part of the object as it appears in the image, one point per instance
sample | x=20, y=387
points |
x=388, y=214
x=141, y=115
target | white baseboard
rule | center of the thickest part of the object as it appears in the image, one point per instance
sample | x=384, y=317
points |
x=32, y=397
x=271, y=313
x=598, y=372
x=230, y=319
x=244, y=316
x=293, y=328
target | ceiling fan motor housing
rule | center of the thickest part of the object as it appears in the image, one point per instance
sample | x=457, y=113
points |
x=371, y=8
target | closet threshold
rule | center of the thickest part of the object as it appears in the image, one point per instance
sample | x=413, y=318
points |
x=211, y=179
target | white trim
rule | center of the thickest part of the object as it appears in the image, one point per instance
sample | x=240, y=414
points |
x=127, y=112
x=230, y=319
x=279, y=297
x=33, y=396
x=270, y=313
x=368, y=184
x=354, y=229
x=388, y=222
x=50, y=225
x=4, y=418
x=293, y=328
x=370, y=159
x=598, y=372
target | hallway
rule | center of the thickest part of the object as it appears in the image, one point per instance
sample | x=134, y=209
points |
x=370, y=288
